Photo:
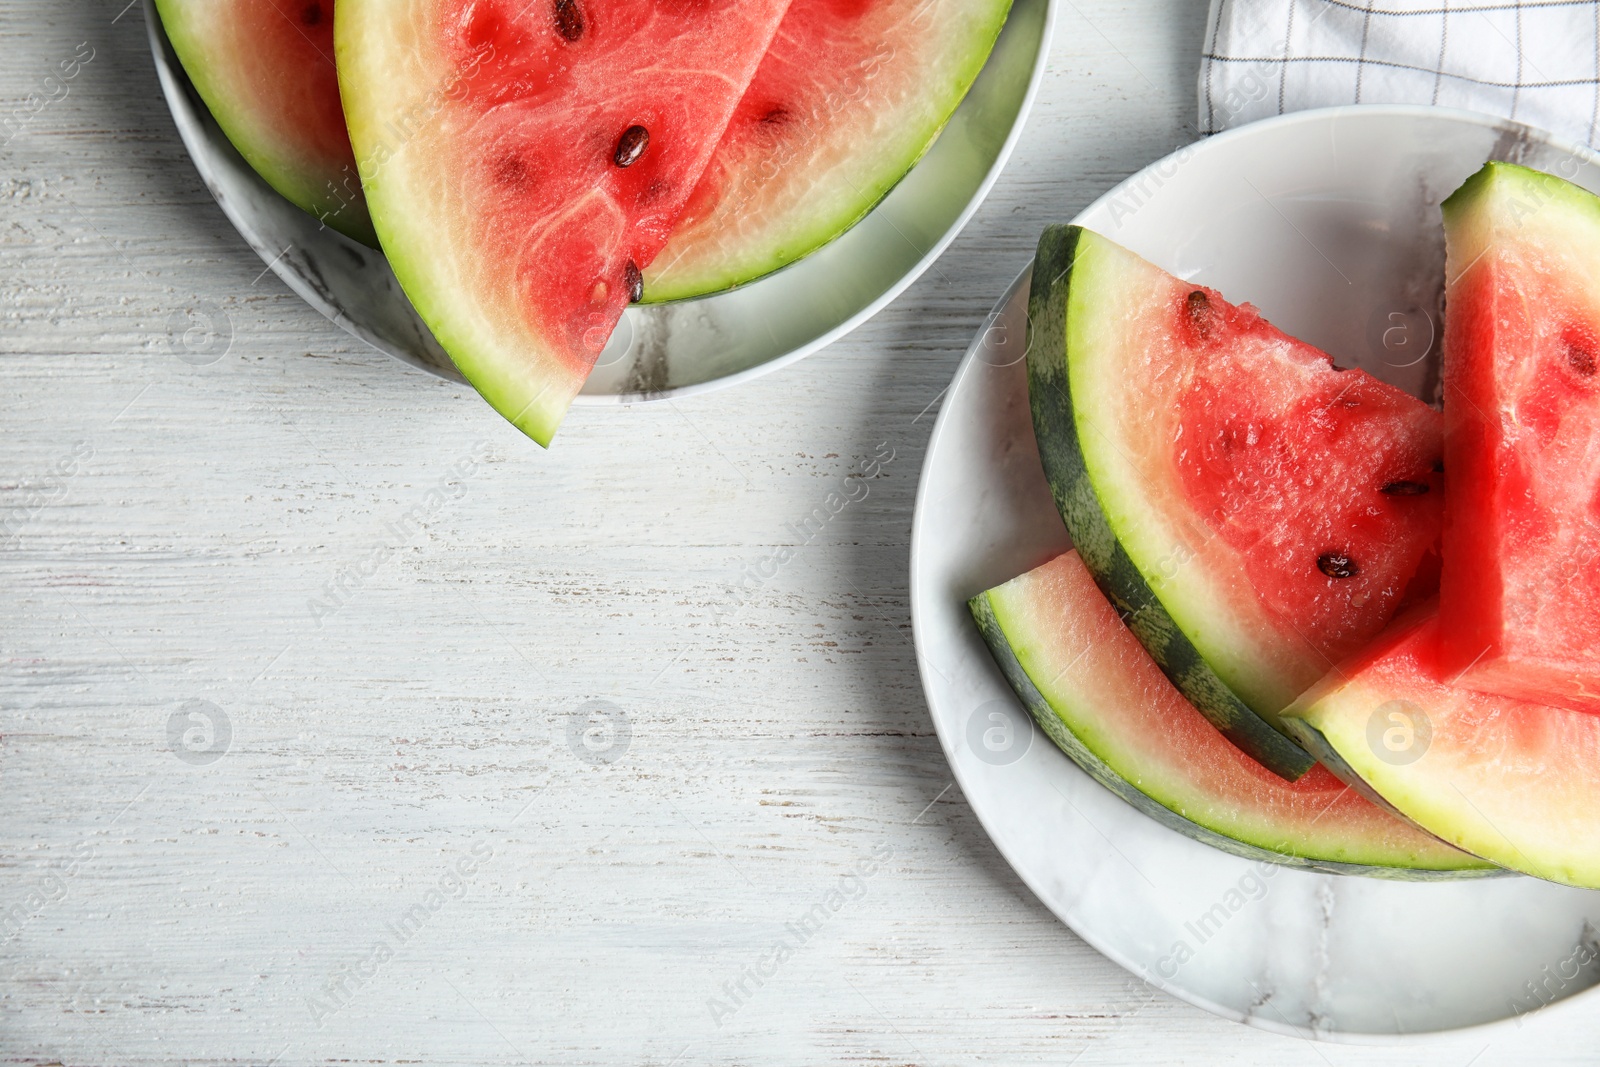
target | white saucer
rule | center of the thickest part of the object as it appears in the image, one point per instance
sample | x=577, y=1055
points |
x=1328, y=221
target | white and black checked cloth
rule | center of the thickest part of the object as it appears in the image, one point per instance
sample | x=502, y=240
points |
x=1535, y=61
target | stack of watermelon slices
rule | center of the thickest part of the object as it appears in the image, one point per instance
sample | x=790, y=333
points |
x=530, y=169
x=1324, y=567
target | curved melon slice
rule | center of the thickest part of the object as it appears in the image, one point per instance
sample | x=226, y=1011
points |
x=1520, y=592
x=525, y=161
x=1511, y=781
x=1258, y=513
x=1102, y=699
x=265, y=70
x=850, y=97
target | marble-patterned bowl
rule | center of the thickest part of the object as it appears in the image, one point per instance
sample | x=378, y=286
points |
x=674, y=349
x=1329, y=222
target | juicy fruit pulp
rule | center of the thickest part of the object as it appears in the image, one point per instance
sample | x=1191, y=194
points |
x=1520, y=588
x=1258, y=513
x=1514, y=782
x=525, y=162
x=1097, y=693
x=850, y=96
x=265, y=69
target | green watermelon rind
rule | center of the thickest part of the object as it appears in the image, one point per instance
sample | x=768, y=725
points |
x=1056, y=428
x=849, y=204
x=1539, y=188
x=308, y=193
x=1055, y=724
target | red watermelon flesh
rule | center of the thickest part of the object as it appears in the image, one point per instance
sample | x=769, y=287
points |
x=1520, y=588
x=265, y=69
x=1284, y=471
x=525, y=162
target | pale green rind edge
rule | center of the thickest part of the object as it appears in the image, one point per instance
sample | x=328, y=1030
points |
x=1055, y=726
x=853, y=206
x=1077, y=498
x=348, y=217
x=1539, y=185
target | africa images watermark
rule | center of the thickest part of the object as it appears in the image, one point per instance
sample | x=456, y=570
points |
x=48, y=890
x=351, y=577
x=849, y=888
x=49, y=90
x=1251, y=88
x=50, y=489
x=399, y=130
x=1571, y=973
x=1250, y=887
x=348, y=978
x=752, y=576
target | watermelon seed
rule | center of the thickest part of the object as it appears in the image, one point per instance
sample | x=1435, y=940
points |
x=1580, y=359
x=311, y=14
x=1337, y=565
x=634, y=140
x=1438, y=466
x=1198, y=305
x=569, y=20
x=634, y=280
x=1404, y=488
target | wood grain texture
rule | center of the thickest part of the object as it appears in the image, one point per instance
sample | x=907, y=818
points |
x=404, y=767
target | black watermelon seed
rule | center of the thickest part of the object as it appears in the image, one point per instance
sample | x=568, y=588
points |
x=1337, y=565
x=631, y=145
x=1201, y=313
x=1580, y=359
x=1404, y=488
x=569, y=20
x=633, y=281
x=311, y=14
x=1438, y=466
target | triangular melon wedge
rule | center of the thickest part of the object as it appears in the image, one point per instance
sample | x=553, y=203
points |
x=851, y=95
x=1520, y=590
x=1511, y=781
x=1097, y=693
x=1258, y=513
x=525, y=161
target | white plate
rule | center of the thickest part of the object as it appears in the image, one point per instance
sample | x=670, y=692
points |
x=1329, y=222
x=672, y=349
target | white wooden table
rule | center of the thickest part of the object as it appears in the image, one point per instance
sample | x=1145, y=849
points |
x=285, y=778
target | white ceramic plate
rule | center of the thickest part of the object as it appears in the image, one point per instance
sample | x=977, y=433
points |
x=1329, y=222
x=673, y=349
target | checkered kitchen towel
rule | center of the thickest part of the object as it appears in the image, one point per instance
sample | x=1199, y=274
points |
x=1535, y=61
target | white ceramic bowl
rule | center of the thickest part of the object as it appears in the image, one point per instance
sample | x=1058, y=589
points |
x=674, y=349
x=1329, y=222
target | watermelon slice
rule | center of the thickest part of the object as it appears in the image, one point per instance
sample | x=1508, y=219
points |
x=524, y=162
x=851, y=95
x=1257, y=513
x=1100, y=697
x=265, y=71
x=1505, y=779
x=1520, y=588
